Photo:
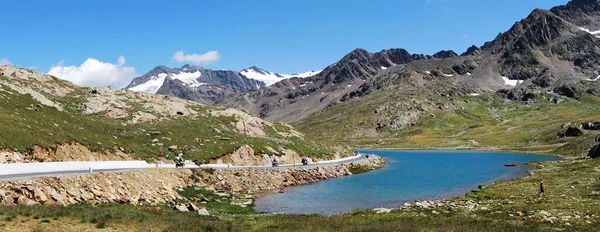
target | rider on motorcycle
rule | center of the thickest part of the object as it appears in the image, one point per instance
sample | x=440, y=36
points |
x=179, y=161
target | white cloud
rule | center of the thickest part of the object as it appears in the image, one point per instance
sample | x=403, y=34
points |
x=4, y=61
x=206, y=58
x=33, y=67
x=465, y=36
x=96, y=73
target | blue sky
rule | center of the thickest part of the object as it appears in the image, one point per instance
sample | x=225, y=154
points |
x=285, y=36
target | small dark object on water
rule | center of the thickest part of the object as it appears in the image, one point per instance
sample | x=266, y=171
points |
x=510, y=165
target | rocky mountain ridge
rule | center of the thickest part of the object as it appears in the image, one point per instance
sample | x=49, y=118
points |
x=205, y=85
x=544, y=51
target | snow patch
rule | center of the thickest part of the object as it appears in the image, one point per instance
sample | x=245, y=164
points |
x=195, y=85
x=383, y=67
x=597, y=78
x=509, y=81
x=596, y=33
x=152, y=85
x=468, y=74
x=186, y=77
x=304, y=74
x=447, y=75
x=270, y=78
x=428, y=72
x=349, y=85
x=474, y=94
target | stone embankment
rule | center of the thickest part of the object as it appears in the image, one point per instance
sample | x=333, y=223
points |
x=153, y=186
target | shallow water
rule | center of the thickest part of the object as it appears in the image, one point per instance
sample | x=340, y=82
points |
x=409, y=176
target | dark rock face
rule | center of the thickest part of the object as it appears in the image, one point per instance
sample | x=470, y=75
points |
x=519, y=59
x=445, y=54
x=578, y=12
x=570, y=132
x=594, y=152
x=464, y=68
x=571, y=91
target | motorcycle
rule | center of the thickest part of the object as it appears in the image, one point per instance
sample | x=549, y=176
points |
x=179, y=164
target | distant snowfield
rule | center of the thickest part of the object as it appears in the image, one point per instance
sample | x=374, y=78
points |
x=474, y=94
x=270, y=78
x=152, y=85
x=186, y=77
x=510, y=82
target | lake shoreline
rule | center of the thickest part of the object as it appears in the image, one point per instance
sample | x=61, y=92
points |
x=458, y=191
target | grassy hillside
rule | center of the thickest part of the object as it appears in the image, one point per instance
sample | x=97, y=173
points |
x=439, y=120
x=200, y=136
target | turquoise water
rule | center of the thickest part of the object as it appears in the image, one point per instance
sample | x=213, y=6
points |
x=409, y=176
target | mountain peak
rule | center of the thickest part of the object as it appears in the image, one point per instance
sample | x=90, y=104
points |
x=359, y=54
x=473, y=50
x=257, y=70
x=445, y=54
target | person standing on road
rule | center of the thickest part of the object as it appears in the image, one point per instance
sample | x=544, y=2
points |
x=542, y=187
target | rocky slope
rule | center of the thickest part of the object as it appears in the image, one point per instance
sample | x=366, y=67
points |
x=104, y=123
x=297, y=98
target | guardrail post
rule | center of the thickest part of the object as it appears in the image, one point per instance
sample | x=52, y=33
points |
x=90, y=170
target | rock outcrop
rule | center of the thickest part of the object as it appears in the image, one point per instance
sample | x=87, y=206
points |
x=60, y=153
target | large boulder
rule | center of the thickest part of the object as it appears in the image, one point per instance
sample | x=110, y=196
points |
x=182, y=208
x=203, y=212
x=570, y=132
x=594, y=152
x=591, y=125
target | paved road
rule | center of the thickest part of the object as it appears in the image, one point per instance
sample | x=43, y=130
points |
x=73, y=172
x=302, y=166
x=61, y=173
